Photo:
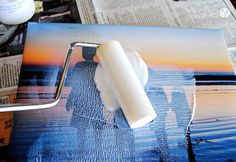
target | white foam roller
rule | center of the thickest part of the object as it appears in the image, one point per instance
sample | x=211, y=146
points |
x=125, y=84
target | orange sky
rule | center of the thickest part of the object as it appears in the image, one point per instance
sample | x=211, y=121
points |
x=199, y=50
x=55, y=56
x=49, y=55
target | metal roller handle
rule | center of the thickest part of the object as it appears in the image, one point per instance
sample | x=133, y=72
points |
x=20, y=107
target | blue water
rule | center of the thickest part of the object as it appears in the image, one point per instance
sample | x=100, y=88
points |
x=79, y=128
x=214, y=139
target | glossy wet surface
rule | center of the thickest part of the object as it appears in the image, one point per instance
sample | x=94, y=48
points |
x=83, y=130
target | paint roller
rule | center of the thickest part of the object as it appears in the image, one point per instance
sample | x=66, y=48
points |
x=125, y=84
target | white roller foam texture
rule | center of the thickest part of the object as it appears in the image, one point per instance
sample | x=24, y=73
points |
x=125, y=84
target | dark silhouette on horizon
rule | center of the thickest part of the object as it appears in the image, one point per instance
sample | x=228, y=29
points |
x=88, y=113
x=85, y=102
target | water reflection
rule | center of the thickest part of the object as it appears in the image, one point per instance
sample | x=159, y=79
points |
x=159, y=101
x=80, y=128
x=172, y=96
x=86, y=104
x=89, y=118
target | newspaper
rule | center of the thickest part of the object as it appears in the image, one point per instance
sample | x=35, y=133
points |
x=213, y=14
x=9, y=75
